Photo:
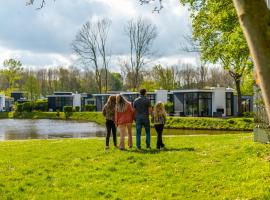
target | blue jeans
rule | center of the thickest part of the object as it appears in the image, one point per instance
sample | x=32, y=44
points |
x=139, y=123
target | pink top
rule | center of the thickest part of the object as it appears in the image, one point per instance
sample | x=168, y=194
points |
x=125, y=117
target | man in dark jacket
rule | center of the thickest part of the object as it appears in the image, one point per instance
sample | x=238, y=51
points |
x=142, y=106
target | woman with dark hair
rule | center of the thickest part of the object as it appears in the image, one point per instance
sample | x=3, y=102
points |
x=124, y=116
x=109, y=113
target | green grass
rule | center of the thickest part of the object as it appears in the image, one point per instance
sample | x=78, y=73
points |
x=202, y=123
x=197, y=167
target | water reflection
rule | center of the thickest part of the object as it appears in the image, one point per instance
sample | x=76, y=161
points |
x=14, y=129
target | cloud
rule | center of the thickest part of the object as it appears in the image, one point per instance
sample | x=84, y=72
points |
x=43, y=38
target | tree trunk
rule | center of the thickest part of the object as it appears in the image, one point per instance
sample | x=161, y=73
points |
x=106, y=80
x=239, y=96
x=254, y=18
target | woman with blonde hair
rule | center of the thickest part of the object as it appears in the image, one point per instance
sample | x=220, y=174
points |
x=159, y=120
x=109, y=113
x=124, y=116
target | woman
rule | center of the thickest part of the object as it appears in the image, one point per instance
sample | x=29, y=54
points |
x=109, y=113
x=159, y=120
x=124, y=116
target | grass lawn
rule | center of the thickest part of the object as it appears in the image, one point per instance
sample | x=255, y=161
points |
x=193, y=167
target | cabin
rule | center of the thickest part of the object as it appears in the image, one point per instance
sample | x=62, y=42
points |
x=2, y=102
x=58, y=100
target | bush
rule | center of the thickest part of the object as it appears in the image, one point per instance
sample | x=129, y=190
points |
x=68, y=111
x=169, y=107
x=41, y=105
x=248, y=114
x=26, y=107
x=57, y=113
x=77, y=108
x=19, y=108
x=90, y=108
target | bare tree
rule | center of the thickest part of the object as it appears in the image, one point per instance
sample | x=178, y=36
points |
x=141, y=34
x=90, y=45
x=157, y=8
x=103, y=30
x=190, y=45
x=164, y=77
x=41, y=3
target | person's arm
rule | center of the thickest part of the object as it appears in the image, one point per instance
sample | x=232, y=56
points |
x=116, y=118
x=104, y=111
x=150, y=110
x=165, y=118
x=134, y=110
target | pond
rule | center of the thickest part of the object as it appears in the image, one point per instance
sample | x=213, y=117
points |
x=23, y=129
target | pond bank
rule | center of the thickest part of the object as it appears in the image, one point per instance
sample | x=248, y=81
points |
x=192, y=123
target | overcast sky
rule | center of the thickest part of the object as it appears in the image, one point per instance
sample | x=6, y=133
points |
x=42, y=38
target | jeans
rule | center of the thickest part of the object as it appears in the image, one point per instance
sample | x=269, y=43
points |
x=159, y=130
x=110, y=128
x=139, y=123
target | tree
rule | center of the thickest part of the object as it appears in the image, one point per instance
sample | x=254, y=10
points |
x=254, y=19
x=41, y=3
x=31, y=86
x=141, y=34
x=216, y=27
x=115, y=81
x=12, y=72
x=164, y=77
x=90, y=44
x=248, y=83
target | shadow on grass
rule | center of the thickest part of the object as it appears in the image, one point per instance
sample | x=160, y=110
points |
x=155, y=151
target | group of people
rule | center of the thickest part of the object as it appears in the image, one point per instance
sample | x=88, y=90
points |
x=120, y=114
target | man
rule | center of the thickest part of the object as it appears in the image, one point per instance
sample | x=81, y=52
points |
x=142, y=107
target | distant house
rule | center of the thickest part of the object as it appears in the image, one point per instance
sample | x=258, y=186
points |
x=18, y=96
x=58, y=100
x=86, y=99
x=216, y=102
x=2, y=102
x=9, y=102
x=101, y=99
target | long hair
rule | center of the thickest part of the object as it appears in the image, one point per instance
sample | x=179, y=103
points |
x=111, y=101
x=159, y=110
x=121, y=103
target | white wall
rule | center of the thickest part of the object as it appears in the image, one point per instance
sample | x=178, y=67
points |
x=162, y=96
x=219, y=99
x=77, y=100
x=2, y=102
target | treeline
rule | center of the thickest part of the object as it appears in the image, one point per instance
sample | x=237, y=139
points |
x=41, y=82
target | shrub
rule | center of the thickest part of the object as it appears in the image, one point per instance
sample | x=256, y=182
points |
x=68, y=111
x=57, y=113
x=41, y=105
x=247, y=120
x=231, y=121
x=19, y=108
x=248, y=114
x=169, y=107
x=77, y=108
x=90, y=108
x=26, y=107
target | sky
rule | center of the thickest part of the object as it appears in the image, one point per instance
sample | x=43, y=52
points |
x=42, y=38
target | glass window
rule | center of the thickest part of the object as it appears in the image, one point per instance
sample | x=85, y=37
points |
x=229, y=103
x=198, y=104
